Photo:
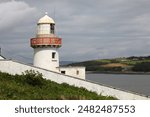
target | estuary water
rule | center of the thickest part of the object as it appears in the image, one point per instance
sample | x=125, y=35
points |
x=136, y=83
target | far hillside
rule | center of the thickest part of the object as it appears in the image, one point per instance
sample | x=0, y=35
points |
x=124, y=64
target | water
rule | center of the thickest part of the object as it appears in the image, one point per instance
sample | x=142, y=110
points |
x=135, y=83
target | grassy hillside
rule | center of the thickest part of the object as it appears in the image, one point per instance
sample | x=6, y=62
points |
x=129, y=64
x=31, y=85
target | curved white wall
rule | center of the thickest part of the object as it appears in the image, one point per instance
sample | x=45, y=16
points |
x=43, y=58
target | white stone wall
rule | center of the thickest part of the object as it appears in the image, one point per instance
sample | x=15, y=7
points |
x=17, y=68
x=73, y=71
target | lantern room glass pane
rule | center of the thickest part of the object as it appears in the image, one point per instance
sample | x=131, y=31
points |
x=52, y=28
x=44, y=29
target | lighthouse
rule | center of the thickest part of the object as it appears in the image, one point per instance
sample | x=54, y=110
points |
x=46, y=45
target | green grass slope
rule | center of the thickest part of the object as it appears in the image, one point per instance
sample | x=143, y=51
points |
x=31, y=86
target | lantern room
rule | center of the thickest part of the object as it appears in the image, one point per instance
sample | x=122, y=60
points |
x=46, y=26
x=45, y=36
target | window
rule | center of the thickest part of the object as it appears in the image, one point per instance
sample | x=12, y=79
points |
x=53, y=55
x=63, y=72
x=52, y=28
x=77, y=72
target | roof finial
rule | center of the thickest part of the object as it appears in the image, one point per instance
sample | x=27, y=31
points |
x=46, y=13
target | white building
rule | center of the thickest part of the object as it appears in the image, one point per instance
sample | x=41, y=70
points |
x=1, y=57
x=46, y=45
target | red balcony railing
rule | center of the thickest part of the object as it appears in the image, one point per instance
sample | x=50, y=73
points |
x=46, y=41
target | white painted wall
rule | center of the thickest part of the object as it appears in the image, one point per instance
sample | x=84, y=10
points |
x=73, y=71
x=17, y=68
x=43, y=58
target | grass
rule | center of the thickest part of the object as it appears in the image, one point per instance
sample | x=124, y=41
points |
x=31, y=86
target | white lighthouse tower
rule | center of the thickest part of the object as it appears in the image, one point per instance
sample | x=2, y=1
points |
x=46, y=44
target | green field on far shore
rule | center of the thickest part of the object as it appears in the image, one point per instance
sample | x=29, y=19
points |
x=122, y=64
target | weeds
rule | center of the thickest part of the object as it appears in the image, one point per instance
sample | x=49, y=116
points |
x=31, y=86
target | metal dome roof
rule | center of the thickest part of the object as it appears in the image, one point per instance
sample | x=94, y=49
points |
x=46, y=20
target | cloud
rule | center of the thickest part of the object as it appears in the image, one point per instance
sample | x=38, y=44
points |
x=120, y=27
x=13, y=13
x=14, y=22
x=90, y=29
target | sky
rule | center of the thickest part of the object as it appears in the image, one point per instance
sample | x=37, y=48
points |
x=90, y=29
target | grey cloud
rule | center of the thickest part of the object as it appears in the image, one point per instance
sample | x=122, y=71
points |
x=14, y=17
x=90, y=29
x=13, y=13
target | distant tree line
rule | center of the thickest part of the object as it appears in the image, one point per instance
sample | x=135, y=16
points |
x=142, y=67
x=138, y=58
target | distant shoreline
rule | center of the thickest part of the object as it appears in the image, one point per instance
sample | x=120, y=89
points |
x=110, y=72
